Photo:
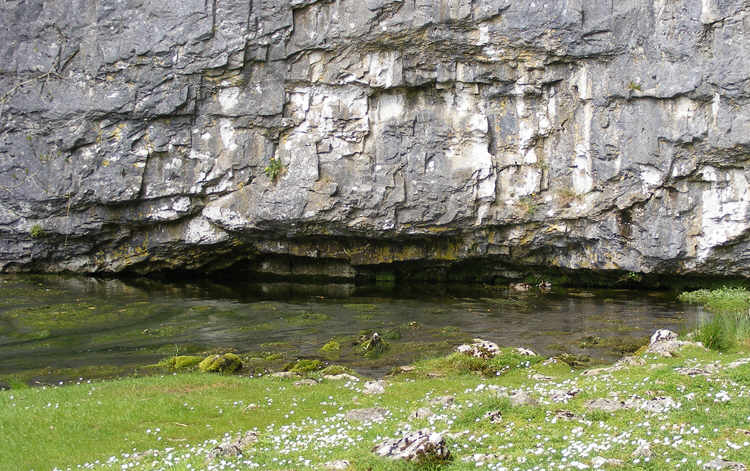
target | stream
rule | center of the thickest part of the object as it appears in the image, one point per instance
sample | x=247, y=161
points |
x=67, y=327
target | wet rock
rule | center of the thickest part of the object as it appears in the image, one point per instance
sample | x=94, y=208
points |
x=443, y=401
x=234, y=447
x=419, y=446
x=725, y=464
x=421, y=413
x=374, y=387
x=369, y=414
x=520, y=287
x=479, y=349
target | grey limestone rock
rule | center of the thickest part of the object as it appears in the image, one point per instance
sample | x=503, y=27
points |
x=135, y=136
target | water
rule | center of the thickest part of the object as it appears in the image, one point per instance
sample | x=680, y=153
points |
x=54, y=327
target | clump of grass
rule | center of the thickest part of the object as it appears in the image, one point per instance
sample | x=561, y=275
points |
x=304, y=366
x=460, y=363
x=730, y=323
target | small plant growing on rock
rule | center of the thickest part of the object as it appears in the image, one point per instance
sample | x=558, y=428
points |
x=36, y=231
x=274, y=169
x=633, y=86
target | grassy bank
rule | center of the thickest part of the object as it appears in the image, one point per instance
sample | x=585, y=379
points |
x=691, y=408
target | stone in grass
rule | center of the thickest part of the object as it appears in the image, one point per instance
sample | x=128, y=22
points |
x=284, y=374
x=600, y=461
x=479, y=349
x=305, y=382
x=369, y=414
x=605, y=404
x=724, y=464
x=226, y=363
x=421, y=413
x=336, y=465
x=374, y=387
x=341, y=377
x=419, y=446
x=495, y=416
x=522, y=398
x=443, y=401
x=234, y=447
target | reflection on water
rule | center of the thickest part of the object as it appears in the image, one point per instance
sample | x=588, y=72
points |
x=72, y=322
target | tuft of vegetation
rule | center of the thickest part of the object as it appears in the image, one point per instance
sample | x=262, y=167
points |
x=226, y=363
x=274, y=169
x=634, y=86
x=730, y=323
x=331, y=346
x=304, y=366
x=181, y=362
x=36, y=231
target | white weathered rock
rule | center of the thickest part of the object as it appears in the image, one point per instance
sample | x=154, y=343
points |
x=522, y=398
x=336, y=465
x=662, y=335
x=422, y=445
x=479, y=349
x=443, y=401
x=421, y=413
x=234, y=447
x=525, y=352
x=374, y=387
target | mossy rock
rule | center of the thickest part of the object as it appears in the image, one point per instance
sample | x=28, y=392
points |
x=181, y=361
x=304, y=366
x=331, y=346
x=226, y=363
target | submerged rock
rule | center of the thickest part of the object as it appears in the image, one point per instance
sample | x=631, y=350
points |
x=419, y=446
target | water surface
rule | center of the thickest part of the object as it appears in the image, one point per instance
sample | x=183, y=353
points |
x=54, y=327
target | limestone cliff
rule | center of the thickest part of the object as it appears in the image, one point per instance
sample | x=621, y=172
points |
x=332, y=137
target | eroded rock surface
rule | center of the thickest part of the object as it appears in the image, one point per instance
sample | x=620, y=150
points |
x=496, y=133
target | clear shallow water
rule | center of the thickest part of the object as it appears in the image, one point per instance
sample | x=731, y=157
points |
x=54, y=327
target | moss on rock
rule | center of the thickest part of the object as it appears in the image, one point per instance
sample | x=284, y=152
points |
x=226, y=363
x=181, y=361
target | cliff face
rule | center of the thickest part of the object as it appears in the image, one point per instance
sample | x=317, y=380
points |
x=331, y=137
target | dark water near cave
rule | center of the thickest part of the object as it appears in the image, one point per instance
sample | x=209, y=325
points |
x=54, y=327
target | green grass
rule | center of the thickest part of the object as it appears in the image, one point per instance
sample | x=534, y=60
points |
x=183, y=412
x=730, y=324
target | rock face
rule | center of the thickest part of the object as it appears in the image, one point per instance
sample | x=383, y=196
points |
x=333, y=138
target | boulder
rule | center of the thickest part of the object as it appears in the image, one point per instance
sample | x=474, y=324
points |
x=418, y=446
x=374, y=387
x=662, y=335
x=234, y=447
x=479, y=349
